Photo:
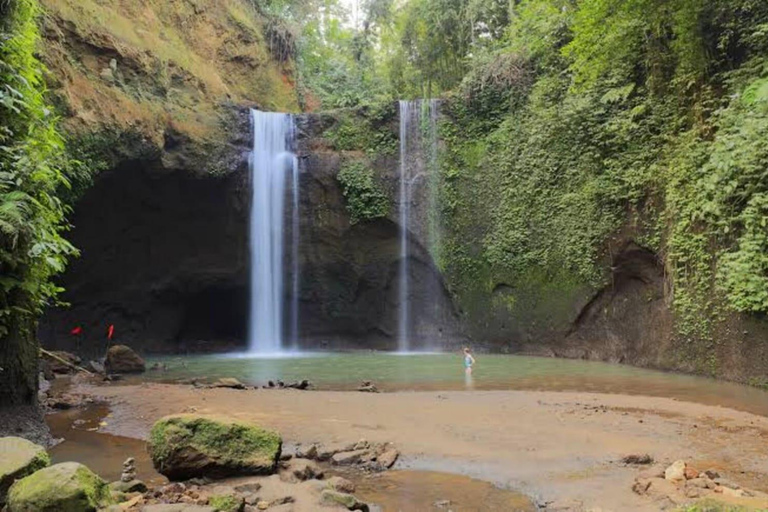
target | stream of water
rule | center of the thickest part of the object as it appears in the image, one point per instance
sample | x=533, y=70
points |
x=272, y=161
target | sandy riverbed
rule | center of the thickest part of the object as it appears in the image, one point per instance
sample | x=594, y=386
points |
x=549, y=445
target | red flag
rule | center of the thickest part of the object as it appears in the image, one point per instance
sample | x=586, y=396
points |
x=76, y=331
x=110, y=331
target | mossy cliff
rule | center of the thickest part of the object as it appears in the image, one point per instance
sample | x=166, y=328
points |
x=153, y=80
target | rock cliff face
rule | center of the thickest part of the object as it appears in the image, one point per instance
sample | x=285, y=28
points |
x=165, y=259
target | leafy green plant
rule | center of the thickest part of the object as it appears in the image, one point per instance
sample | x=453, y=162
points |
x=364, y=198
x=32, y=166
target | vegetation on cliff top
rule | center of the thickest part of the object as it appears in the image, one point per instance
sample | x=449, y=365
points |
x=571, y=126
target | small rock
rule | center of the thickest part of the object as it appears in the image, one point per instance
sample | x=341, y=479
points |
x=341, y=484
x=362, y=445
x=129, y=486
x=309, y=452
x=442, y=503
x=700, y=483
x=228, y=382
x=329, y=497
x=348, y=458
x=564, y=505
x=262, y=505
x=300, y=470
x=301, y=384
x=637, y=459
x=731, y=493
x=368, y=387
x=712, y=474
x=694, y=492
x=690, y=473
x=325, y=452
x=726, y=483
x=655, y=471
x=675, y=472
x=387, y=459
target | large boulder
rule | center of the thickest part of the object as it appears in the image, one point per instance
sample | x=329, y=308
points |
x=19, y=458
x=122, y=359
x=188, y=446
x=65, y=487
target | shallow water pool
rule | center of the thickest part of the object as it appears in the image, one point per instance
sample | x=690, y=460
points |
x=436, y=372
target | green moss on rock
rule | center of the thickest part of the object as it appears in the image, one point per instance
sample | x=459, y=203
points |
x=66, y=487
x=226, y=503
x=188, y=446
x=19, y=458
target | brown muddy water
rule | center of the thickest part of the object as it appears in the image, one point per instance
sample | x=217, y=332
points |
x=416, y=491
x=103, y=453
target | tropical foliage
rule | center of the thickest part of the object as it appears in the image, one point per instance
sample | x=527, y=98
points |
x=32, y=160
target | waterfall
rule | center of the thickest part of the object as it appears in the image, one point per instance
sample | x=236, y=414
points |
x=418, y=159
x=295, y=254
x=403, y=338
x=271, y=161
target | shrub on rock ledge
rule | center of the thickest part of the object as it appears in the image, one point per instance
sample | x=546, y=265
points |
x=189, y=446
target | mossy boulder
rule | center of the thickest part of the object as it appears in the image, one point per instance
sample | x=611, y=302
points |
x=189, y=446
x=19, y=458
x=65, y=487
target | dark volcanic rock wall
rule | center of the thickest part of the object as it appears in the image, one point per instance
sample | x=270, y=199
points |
x=165, y=259
x=349, y=289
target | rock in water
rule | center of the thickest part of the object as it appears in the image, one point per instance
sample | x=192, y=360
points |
x=19, y=458
x=122, y=359
x=66, y=487
x=341, y=484
x=368, y=387
x=187, y=446
x=228, y=382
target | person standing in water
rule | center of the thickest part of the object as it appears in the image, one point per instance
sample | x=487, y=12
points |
x=469, y=361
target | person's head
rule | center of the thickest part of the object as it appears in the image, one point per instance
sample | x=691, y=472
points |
x=466, y=350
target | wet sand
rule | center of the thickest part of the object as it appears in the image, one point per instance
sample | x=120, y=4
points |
x=549, y=445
